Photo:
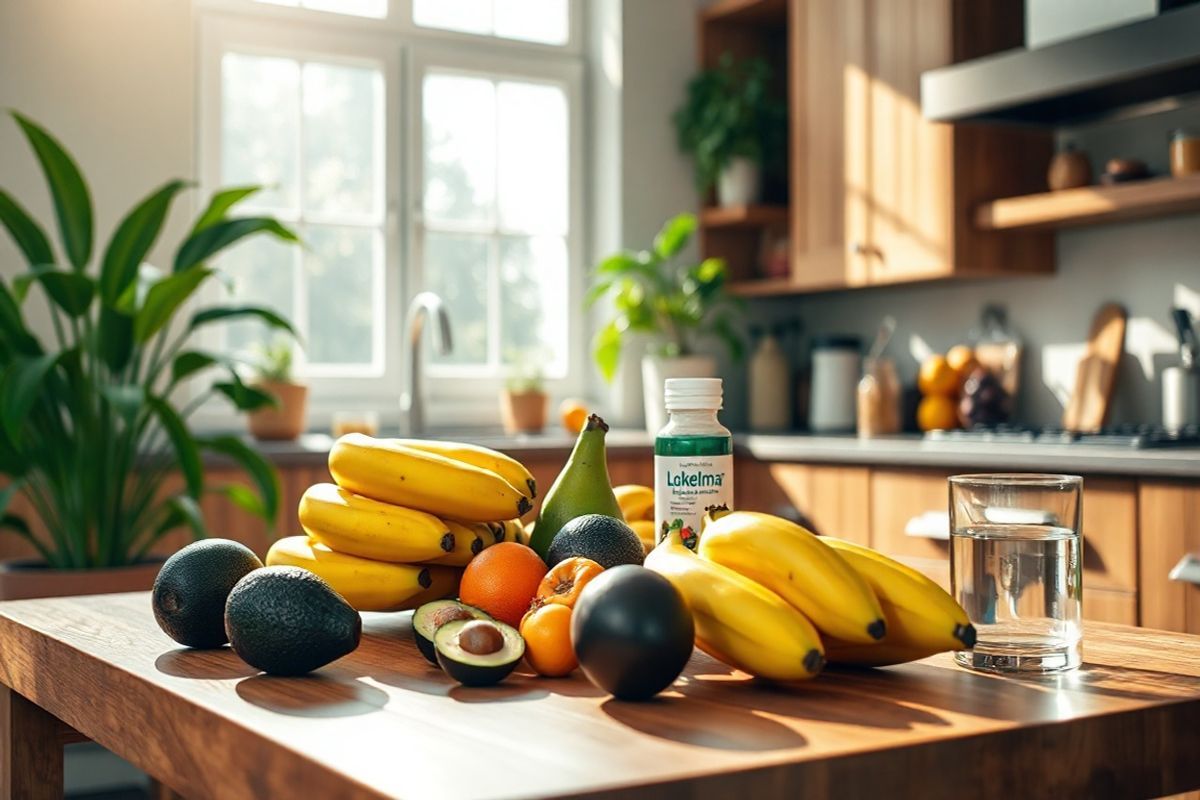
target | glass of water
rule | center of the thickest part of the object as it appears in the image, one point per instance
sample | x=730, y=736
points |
x=1016, y=567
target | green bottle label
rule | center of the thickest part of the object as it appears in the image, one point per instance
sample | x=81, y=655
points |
x=691, y=475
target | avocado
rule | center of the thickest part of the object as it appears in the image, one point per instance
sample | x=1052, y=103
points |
x=190, y=591
x=287, y=621
x=606, y=540
x=431, y=616
x=632, y=632
x=478, y=652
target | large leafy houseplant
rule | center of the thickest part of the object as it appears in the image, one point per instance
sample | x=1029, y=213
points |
x=90, y=430
x=677, y=304
x=731, y=111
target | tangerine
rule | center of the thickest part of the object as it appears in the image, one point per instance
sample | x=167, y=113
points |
x=573, y=414
x=547, y=633
x=502, y=580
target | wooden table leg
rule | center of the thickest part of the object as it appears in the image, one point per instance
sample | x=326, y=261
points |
x=31, y=753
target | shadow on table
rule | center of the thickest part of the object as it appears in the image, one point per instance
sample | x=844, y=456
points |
x=211, y=665
x=703, y=724
x=313, y=695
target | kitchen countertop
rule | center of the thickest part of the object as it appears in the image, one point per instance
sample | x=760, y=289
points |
x=894, y=451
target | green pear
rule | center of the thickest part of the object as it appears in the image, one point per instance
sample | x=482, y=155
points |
x=583, y=487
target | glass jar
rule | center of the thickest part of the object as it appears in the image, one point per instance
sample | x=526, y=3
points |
x=1185, y=151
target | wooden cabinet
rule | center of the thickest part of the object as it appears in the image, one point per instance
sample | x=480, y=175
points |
x=832, y=499
x=1169, y=521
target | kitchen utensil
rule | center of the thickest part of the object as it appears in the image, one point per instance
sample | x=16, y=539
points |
x=835, y=373
x=1096, y=375
x=1189, y=342
x=998, y=347
x=1181, y=384
x=1069, y=169
x=887, y=326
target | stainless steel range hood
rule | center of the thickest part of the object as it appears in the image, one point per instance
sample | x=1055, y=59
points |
x=1145, y=66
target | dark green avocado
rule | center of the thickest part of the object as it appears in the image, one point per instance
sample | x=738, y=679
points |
x=286, y=621
x=478, y=652
x=606, y=540
x=431, y=616
x=190, y=591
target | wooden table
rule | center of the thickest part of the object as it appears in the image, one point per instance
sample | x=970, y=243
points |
x=381, y=722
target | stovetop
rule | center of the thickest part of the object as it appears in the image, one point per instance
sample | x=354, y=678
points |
x=1138, y=437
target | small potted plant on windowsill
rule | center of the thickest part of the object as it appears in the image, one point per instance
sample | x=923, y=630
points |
x=733, y=126
x=677, y=305
x=524, y=401
x=287, y=418
x=97, y=455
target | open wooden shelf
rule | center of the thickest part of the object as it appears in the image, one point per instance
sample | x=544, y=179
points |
x=743, y=216
x=755, y=12
x=1091, y=205
x=763, y=287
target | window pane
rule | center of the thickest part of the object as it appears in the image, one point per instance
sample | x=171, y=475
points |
x=532, y=20
x=533, y=303
x=263, y=272
x=456, y=268
x=341, y=272
x=259, y=127
x=358, y=8
x=533, y=157
x=469, y=16
x=343, y=120
x=460, y=147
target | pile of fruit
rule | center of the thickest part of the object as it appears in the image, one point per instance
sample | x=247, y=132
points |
x=434, y=526
x=956, y=390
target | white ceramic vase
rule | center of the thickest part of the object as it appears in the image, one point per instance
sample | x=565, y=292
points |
x=739, y=183
x=656, y=370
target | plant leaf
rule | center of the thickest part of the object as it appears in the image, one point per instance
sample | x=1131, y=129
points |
x=220, y=204
x=186, y=451
x=257, y=467
x=598, y=290
x=7, y=494
x=70, y=291
x=28, y=235
x=619, y=264
x=217, y=313
x=126, y=399
x=674, y=235
x=245, y=398
x=190, y=362
x=243, y=498
x=72, y=203
x=181, y=510
x=21, y=528
x=209, y=241
x=20, y=389
x=13, y=332
x=606, y=349
x=133, y=239
x=164, y=298
x=115, y=337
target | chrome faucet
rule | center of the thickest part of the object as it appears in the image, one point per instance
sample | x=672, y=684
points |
x=412, y=403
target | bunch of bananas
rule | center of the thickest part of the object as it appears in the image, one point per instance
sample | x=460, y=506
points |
x=774, y=600
x=404, y=518
x=637, y=505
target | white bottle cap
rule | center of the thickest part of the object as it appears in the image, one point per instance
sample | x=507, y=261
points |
x=692, y=393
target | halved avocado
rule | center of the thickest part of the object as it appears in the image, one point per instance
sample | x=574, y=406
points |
x=478, y=669
x=431, y=616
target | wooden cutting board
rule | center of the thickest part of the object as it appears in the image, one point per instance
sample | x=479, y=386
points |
x=1096, y=375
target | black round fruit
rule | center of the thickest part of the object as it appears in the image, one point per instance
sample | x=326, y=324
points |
x=632, y=632
x=606, y=540
x=191, y=589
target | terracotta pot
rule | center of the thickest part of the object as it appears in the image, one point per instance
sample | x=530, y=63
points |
x=523, y=412
x=287, y=421
x=24, y=579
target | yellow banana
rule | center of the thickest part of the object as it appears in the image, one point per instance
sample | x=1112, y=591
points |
x=636, y=502
x=360, y=526
x=922, y=618
x=405, y=476
x=367, y=585
x=470, y=539
x=644, y=528
x=514, y=531
x=799, y=567
x=739, y=621
x=443, y=583
x=503, y=465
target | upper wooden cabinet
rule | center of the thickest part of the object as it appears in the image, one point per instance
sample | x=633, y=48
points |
x=878, y=194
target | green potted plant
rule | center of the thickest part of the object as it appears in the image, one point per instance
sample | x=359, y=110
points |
x=524, y=401
x=678, y=305
x=94, y=446
x=287, y=419
x=733, y=126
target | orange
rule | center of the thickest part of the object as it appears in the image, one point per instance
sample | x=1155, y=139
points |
x=573, y=414
x=936, y=412
x=961, y=359
x=937, y=377
x=502, y=580
x=564, y=583
x=547, y=633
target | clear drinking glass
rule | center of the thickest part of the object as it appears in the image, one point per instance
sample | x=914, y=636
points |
x=1016, y=567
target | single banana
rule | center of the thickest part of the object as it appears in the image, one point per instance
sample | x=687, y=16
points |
x=636, y=502
x=739, y=621
x=367, y=585
x=443, y=583
x=503, y=465
x=404, y=476
x=922, y=618
x=470, y=539
x=357, y=525
x=800, y=568
x=514, y=531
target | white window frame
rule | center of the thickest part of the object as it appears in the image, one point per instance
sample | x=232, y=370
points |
x=402, y=50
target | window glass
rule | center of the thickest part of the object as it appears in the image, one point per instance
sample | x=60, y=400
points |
x=343, y=140
x=460, y=148
x=341, y=267
x=260, y=127
x=541, y=21
x=456, y=268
